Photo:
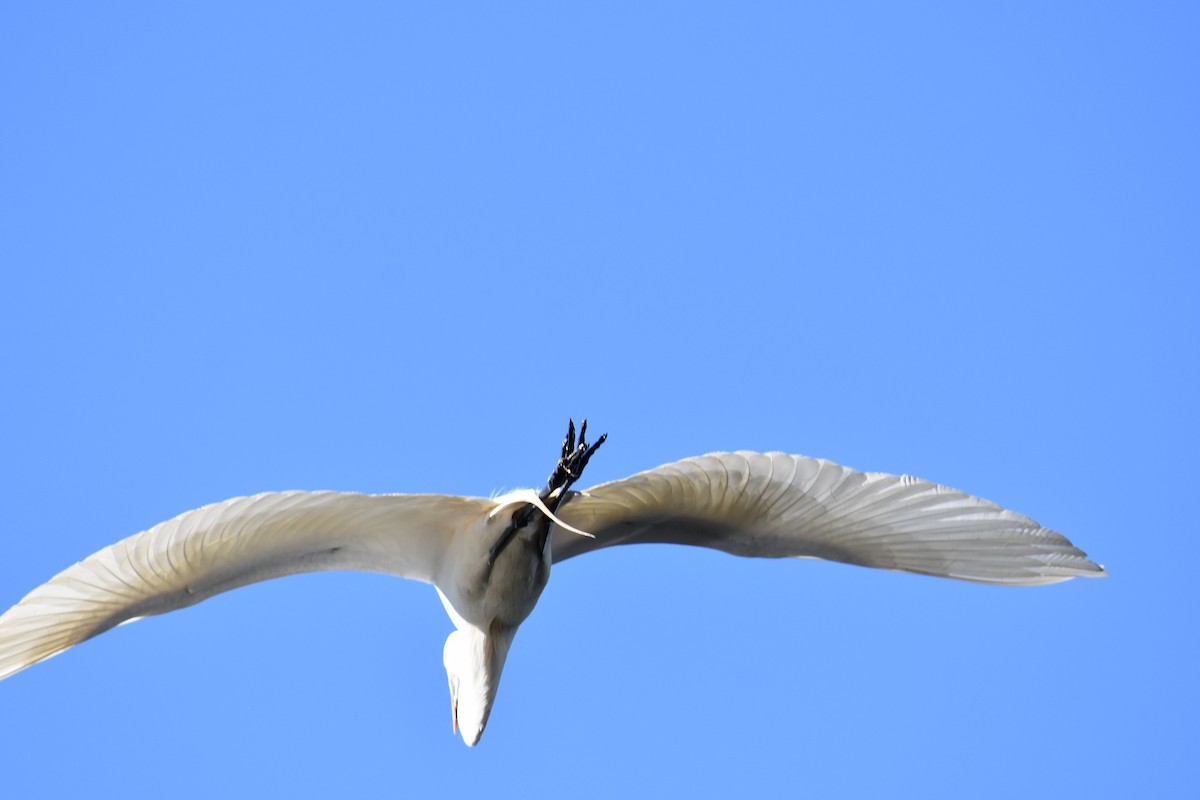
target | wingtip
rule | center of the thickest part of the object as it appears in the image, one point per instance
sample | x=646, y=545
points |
x=1088, y=570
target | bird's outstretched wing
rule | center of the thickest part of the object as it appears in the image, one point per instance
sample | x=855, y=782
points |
x=226, y=545
x=776, y=505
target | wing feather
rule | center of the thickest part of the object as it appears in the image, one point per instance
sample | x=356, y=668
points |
x=225, y=545
x=782, y=506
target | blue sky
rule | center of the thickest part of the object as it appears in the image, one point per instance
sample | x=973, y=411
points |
x=393, y=247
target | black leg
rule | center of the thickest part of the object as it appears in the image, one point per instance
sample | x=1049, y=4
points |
x=574, y=458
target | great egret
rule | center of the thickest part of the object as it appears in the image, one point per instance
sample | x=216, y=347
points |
x=489, y=559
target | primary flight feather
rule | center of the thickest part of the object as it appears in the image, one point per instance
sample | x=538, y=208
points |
x=489, y=559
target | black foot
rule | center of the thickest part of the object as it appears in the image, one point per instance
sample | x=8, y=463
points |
x=574, y=458
x=570, y=464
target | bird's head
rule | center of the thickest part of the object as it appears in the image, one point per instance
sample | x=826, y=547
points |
x=473, y=662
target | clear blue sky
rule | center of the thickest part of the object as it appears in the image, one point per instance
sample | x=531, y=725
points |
x=392, y=247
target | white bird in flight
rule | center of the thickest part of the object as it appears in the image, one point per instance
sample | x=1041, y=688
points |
x=489, y=559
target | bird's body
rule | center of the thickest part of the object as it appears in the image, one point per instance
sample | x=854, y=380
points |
x=503, y=592
x=490, y=559
x=487, y=602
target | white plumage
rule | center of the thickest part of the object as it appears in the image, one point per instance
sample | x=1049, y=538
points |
x=748, y=504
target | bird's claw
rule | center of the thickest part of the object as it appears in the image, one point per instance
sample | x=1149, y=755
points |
x=571, y=463
x=575, y=456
